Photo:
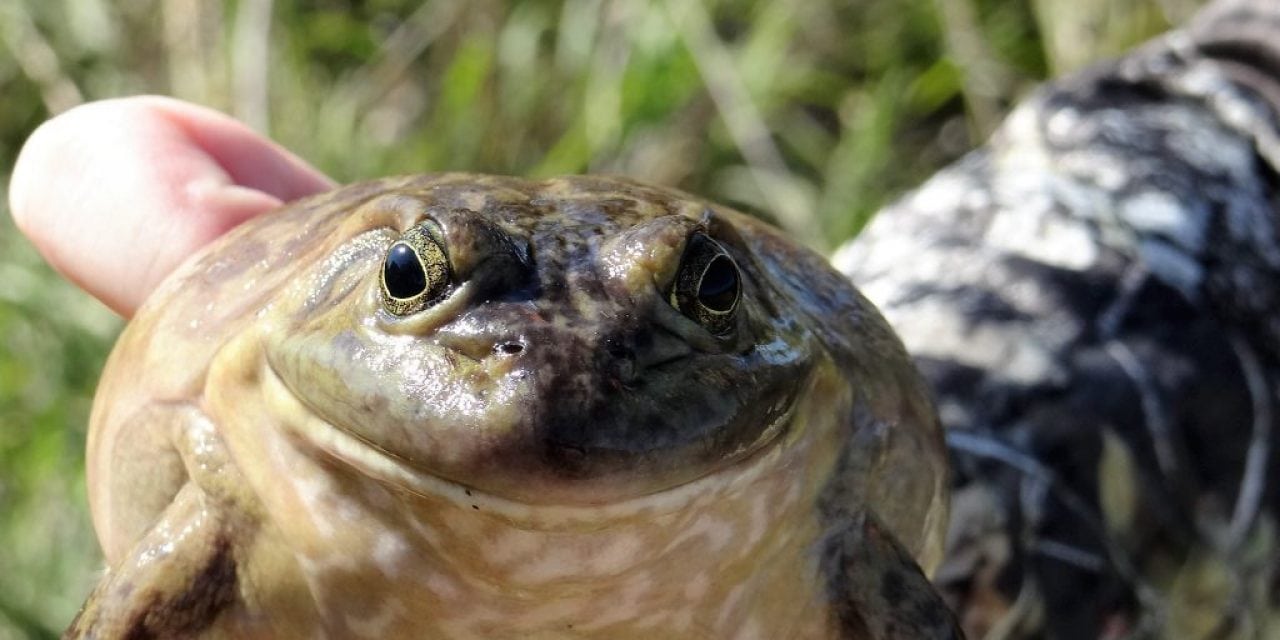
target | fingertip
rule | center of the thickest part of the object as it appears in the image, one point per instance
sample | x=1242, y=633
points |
x=250, y=159
x=115, y=194
x=34, y=160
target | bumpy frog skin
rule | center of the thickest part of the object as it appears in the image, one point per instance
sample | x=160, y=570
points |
x=556, y=444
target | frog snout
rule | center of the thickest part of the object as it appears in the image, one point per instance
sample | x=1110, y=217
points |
x=629, y=357
x=483, y=346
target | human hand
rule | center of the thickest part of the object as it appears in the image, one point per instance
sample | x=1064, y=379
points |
x=116, y=194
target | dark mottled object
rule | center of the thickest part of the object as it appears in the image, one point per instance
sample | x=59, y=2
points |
x=1102, y=279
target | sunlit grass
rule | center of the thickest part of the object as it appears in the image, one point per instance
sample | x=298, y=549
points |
x=813, y=113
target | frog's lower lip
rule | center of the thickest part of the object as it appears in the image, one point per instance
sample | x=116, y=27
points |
x=386, y=467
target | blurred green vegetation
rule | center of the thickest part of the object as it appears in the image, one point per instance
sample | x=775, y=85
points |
x=817, y=111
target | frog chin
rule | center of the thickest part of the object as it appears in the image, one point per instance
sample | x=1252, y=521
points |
x=587, y=508
x=399, y=409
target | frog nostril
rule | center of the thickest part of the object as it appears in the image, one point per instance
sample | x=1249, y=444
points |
x=618, y=350
x=508, y=348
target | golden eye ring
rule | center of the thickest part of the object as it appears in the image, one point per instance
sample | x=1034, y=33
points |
x=708, y=286
x=415, y=272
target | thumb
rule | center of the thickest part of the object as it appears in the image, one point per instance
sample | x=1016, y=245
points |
x=116, y=194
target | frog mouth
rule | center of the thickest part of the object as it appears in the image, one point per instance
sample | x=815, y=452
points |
x=329, y=439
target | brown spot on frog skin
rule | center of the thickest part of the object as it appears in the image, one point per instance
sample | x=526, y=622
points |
x=557, y=450
x=211, y=590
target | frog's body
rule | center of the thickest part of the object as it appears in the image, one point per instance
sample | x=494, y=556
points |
x=542, y=446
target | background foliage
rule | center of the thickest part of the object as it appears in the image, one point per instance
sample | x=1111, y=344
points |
x=815, y=111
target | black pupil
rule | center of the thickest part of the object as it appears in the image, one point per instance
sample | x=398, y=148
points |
x=718, y=290
x=403, y=273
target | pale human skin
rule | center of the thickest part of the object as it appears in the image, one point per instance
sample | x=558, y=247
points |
x=152, y=180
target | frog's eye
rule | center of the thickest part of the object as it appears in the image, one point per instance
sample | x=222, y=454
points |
x=708, y=286
x=415, y=272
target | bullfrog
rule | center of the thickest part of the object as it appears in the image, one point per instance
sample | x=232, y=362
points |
x=464, y=406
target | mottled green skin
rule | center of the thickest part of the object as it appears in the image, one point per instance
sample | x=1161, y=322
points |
x=553, y=389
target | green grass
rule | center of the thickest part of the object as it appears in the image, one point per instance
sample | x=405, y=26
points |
x=813, y=113
x=52, y=343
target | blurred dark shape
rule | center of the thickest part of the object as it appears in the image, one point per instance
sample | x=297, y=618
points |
x=1095, y=296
